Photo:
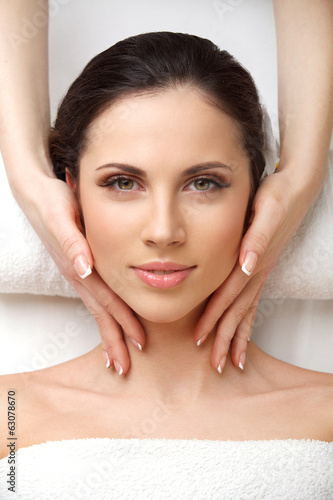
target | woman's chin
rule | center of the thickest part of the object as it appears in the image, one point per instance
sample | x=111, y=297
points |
x=187, y=313
x=160, y=317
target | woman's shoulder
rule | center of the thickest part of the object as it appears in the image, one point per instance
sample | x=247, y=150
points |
x=290, y=377
x=285, y=374
x=305, y=377
x=26, y=397
x=315, y=398
x=308, y=391
x=56, y=403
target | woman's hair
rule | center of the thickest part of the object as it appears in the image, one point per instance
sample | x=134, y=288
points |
x=154, y=62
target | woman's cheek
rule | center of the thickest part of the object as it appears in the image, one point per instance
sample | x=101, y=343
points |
x=224, y=237
x=104, y=235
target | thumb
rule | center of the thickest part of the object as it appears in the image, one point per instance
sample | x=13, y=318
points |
x=74, y=248
x=258, y=237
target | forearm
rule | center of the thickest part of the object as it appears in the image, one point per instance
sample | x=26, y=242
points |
x=24, y=95
x=305, y=68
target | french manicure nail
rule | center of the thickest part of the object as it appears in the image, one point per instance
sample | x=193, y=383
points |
x=106, y=359
x=242, y=360
x=221, y=365
x=139, y=346
x=82, y=267
x=249, y=263
x=118, y=368
x=200, y=341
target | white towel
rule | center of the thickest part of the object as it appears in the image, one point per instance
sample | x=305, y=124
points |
x=305, y=269
x=171, y=469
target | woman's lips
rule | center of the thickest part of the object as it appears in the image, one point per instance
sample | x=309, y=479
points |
x=163, y=274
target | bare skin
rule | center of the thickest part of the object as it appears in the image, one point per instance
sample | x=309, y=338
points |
x=80, y=399
x=305, y=131
x=172, y=391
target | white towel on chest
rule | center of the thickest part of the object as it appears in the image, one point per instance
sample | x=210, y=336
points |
x=159, y=469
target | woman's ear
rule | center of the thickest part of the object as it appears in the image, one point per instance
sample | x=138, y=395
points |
x=70, y=181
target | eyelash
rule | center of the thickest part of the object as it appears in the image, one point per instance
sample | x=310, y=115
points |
x=110, y=183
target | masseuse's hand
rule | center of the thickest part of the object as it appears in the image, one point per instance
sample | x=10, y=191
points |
x=48, y=202
x=282, y=200
x=278, y=208
x=53, y=211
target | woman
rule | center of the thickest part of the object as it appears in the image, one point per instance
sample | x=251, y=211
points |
x=305, y=131
x=160, y=138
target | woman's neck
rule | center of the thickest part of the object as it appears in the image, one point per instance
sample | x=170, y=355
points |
x=171, y=365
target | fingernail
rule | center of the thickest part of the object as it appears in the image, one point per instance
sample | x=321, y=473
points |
x=242, y=360
x=106, y=359
x=249, y=263
x=221, y=365
x=139, y=346
x=118, y=368
x=82, y=267
x=200, y=341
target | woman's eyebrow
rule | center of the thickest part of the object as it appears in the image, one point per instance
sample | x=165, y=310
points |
x=205, y=166
x=125, y=168
x=190, y=171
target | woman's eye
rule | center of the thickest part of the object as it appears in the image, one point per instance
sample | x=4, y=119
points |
x=119, y=183
x=202, y=184
x=206, y=184
x=124, y=184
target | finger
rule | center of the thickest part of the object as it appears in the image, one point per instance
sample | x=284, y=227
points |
x=219, y=302
x=230, y=320
x=73, y=243
x=269, y=215
x=114, y=349
x=243, y=333
x=110, y=331
x=115, y=306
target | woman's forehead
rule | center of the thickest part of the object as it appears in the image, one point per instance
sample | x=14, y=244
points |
x=175, y=121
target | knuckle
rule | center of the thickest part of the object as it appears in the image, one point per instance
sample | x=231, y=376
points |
x=100, y=319
x=223, y=338
x=260, y=242
x=251, y=311
x=239, y=314
x=105, y=299
x=244, y=331
x=113, y=305
x=69, y=245
x=230, y=299
x=274, y=204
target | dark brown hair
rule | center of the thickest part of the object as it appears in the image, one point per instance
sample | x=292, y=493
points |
x=153, y=62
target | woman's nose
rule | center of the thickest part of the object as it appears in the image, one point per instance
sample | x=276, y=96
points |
x=164, y=225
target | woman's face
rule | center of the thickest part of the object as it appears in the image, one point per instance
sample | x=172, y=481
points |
x=164, y=187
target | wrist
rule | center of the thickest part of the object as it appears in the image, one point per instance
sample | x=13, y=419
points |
x=305, y=175
x=28, y=174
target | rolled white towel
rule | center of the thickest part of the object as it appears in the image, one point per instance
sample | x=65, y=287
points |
x=305, y=269
x=25, y=264
x=129, y=469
